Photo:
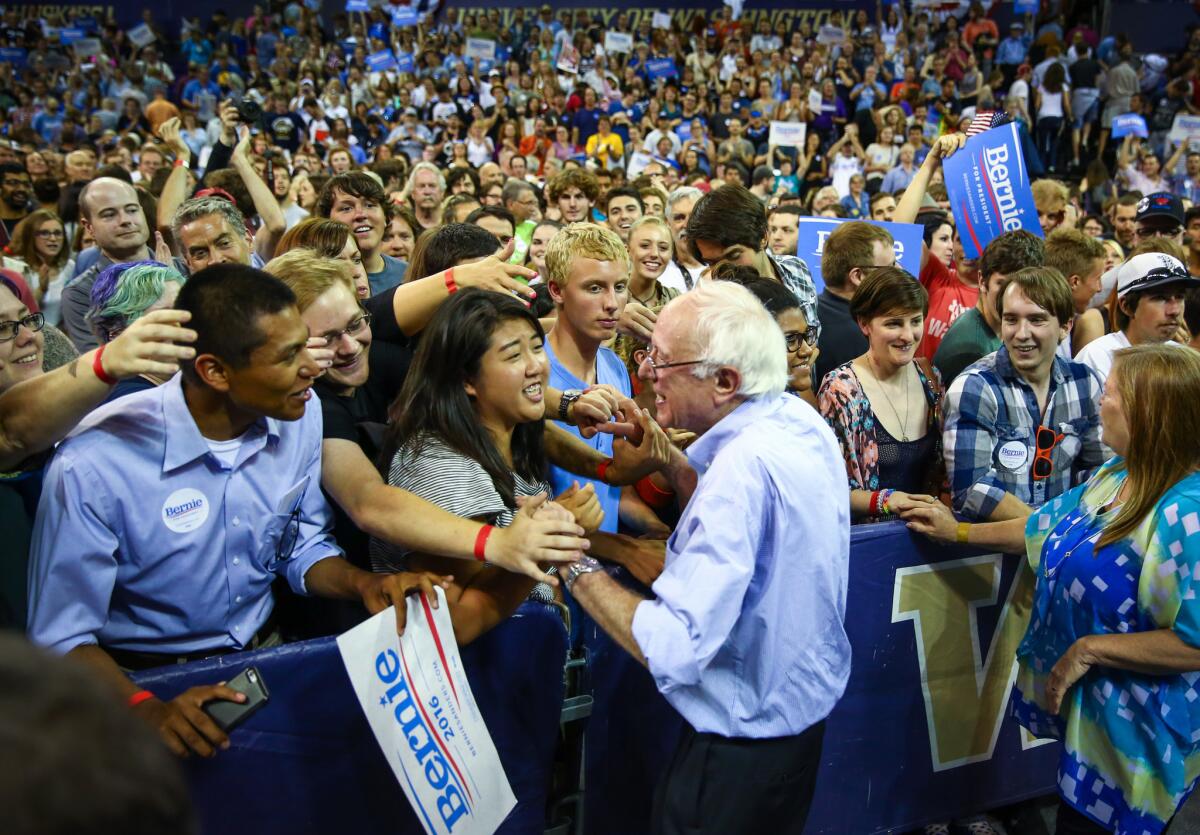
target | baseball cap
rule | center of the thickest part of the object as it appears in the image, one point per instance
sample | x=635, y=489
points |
x=755, y=113
x=1151, y=269
x=1160, y=204
x=307, y=81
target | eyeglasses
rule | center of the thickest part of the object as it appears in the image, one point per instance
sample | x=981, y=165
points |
x=356, y=326
x=655, y=367
x=49, y=233
x=288, y=536
x=9, y=330
x=795, y=338
x=1047, y=440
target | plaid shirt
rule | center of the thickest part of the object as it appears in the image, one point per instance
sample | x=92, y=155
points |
x=795, y=275
x=991, y=418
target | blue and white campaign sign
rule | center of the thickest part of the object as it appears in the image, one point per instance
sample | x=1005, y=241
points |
x=419, y=705
x=14, y=55
x=1023, y=7
x=70, y=35
x=658, y=68
x=405, y=63
x=787, y=134
x=381, y=61
x=405, y=16
x=618, y=42
x=988, y=186
x=1129, y=123
x=358, y=6
x=481, y=49
x=812, y=232
x=141, y=35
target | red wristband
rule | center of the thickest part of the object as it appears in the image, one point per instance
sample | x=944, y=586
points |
x=873, y=509
x=98, y=367
x=451, y=287
x=139, y=697
x=653, y=495
x=481, y=539
x=602, y=470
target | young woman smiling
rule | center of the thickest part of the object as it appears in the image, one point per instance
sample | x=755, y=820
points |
x=883, y=406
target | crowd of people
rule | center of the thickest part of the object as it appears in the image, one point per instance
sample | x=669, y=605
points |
x=344, y=303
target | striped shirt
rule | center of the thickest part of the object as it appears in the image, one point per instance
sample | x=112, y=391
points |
x=991, y=417
x=795, y=275
x=453, y=482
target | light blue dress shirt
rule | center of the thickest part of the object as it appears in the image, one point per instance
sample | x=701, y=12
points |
x=746, y=636
x=145, y=541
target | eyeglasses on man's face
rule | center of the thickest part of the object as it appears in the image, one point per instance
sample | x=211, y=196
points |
x=656, y=366
x=355, y=327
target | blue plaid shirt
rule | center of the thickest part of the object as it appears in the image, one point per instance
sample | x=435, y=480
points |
x=991, y=418
x=796, y=276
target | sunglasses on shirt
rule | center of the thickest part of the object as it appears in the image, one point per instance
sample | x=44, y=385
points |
x=1047, y=440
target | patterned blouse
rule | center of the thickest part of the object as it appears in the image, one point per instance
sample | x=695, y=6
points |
x=845, y=407
x=1131, y=741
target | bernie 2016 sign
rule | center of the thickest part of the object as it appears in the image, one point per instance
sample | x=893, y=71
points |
x=989, y=189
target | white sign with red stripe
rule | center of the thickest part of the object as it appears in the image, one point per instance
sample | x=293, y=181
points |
x=415, y=695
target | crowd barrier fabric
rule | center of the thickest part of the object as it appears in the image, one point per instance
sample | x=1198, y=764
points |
x=307, y=761
x=922, y=732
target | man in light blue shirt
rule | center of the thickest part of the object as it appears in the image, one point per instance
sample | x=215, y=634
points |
x=745, y=637
x=167, y=514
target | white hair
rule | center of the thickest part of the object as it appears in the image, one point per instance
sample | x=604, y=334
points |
x=733, y=329
x=424, y=166
x=682, y=193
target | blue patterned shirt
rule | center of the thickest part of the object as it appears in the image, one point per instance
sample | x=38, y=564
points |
x=991, y=417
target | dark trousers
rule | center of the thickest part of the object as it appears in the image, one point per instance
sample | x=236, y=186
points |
x=729, y=786
x=1070, y=822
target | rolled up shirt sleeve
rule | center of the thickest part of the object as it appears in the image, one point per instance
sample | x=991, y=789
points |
x=314, y=541
x=73, y=559
x=700, y=593
x=969, y=442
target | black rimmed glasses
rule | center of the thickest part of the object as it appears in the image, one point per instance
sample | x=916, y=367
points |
x=9, y=330
x=797, y=338
x=288, y=536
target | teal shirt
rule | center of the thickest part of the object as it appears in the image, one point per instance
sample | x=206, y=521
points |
x=969, y=339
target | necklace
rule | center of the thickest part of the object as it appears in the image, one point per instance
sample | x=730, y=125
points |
x=649, y=300
x=882, y=388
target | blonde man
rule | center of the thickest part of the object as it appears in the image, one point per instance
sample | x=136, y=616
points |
x=1050, y=198
x=1080, y=258
x=588, y=269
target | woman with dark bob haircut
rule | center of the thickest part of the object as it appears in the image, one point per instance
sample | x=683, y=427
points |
x=466, y=433
x=885, y=406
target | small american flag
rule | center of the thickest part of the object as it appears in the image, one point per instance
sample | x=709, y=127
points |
x=985, y=120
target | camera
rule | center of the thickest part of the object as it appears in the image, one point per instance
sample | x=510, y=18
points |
x=248, y=110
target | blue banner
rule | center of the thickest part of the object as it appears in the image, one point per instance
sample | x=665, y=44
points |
x=812, y=232
x=405, y=63
x=1025, y=6
x=14, y=55
x=358, y=6
x=658, y=68
x=405, y=16
x=378, y=30
x=381, y=61
x=988, y=185
x=71, y=35
x=1129, y=123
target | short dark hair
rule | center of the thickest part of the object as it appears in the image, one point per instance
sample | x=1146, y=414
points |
x=762, y=172
x=793, y=208
x=226, y=302
x=1045, y=287
x=848, y=246
x=727, y=216
x=774, y=296
x=13, y=168
x=1191, y=312
x=354, y=183
x=498, y=212
x=75, y=760
x=623, y=191
x=441, y=248
x=1011, y=252
x=887, y=289
x=1190, y=215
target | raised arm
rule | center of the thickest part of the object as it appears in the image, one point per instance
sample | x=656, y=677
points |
x=38, y=413
x=263, y=195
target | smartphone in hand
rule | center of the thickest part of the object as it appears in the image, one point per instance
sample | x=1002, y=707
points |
x=228, y=715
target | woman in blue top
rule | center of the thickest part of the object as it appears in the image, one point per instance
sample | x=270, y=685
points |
x=1110, y=663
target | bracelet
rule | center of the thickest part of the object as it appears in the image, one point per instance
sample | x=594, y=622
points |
x=139, y=697
x=652, y=494
x=602, y=470
x=180, y=162
x=963, y=535
x=873, y=508
x=98, y=367
x=884, y=497
x=481, y=539
x=451, y=287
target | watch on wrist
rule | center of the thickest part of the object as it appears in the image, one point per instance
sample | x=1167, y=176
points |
x=568, y=397
x=575, y=570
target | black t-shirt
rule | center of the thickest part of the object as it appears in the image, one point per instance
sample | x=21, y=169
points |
x=841, y=338
x=285, y=129
x=1084, y=73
